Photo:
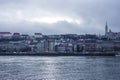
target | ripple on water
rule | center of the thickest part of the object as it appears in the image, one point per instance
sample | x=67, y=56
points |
x=59, y=68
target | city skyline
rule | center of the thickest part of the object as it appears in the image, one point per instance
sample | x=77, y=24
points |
x=59, y=16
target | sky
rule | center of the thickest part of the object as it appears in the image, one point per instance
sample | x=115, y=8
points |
x=59, y=16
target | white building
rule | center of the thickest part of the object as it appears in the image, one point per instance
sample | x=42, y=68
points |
x=38, y=35
x=5, y=35
x=51, y=46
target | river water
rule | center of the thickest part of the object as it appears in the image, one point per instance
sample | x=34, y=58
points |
x=59, y=68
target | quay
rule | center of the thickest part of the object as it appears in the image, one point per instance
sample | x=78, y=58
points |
x=57, y=54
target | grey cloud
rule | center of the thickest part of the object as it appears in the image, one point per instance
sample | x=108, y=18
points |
x=93, y=12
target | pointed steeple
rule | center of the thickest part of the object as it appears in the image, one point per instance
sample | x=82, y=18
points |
x=106, y=28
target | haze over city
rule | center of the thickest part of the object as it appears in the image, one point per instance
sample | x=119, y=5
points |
x=59, y=16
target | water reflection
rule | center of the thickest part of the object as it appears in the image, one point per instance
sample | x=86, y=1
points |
x=59, y=68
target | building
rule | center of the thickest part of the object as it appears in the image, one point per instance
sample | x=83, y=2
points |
x=51, y=46
x=60, y=48
x=90, y=45
x=39, y=47
x=38, y=35
x=25, y=36
x=110, y=35
x=106, y=29
x=16, y=36
x=105, y=46
x=116, y=46
x=14, y=46
x=5, y=35
x=69, y=48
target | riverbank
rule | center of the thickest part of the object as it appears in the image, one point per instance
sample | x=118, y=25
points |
x=57, y=54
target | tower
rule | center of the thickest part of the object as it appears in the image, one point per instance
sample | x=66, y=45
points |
x=106, y=29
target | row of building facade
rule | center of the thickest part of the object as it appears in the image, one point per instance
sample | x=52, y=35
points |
x=64, y=43
x=68, y=43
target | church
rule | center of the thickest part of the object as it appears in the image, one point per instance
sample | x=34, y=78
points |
x=110, y=34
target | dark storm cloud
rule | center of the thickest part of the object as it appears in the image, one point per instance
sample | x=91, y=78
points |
x=16, y=15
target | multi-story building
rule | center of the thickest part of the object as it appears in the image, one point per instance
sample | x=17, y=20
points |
x=5, y=35
x=38, y=35
x=104, y=46
x=16, y=36
x=39, y=47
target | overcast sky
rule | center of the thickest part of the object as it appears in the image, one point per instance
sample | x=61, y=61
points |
x=59, y=16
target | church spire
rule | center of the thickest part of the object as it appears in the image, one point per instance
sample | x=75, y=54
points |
x=106, y=28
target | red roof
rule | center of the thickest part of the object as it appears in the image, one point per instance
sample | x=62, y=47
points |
x=16, y=33
x=5, y=33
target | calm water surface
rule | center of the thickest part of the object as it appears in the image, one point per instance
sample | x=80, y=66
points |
x=59, y=68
